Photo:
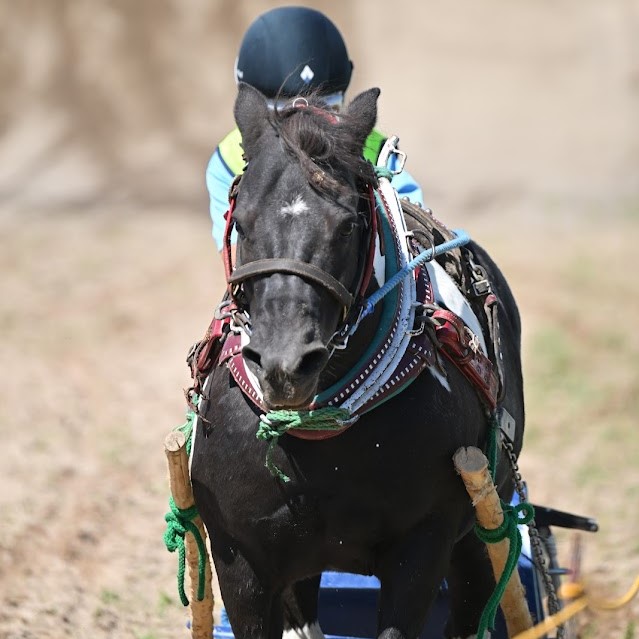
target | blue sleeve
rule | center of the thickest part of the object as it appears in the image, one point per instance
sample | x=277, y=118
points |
x=218, y=182
x=405, y=185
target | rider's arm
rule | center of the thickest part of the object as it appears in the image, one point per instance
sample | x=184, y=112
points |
x=406, y=186
x=218, y=182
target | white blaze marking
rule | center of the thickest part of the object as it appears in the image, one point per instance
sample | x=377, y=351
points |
x=296, y=207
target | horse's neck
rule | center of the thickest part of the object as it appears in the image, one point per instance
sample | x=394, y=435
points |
x=342, y=361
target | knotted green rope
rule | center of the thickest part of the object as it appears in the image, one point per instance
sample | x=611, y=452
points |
x=277, y=422
x=178, y=523
x=522, y=513
x=513, y=516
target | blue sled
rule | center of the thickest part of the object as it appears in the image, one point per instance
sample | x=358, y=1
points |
x=348, y=606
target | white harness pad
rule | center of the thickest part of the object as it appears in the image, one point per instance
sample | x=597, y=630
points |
x=447, y=294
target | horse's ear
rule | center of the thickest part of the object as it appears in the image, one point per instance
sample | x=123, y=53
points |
x=251, y=112
x=362, y=112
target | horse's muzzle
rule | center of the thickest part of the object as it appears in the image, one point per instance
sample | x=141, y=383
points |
x=288, y=379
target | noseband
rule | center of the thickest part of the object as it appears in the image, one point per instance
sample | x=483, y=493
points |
x=294, y=267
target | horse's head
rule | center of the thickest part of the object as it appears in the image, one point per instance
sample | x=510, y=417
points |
x=303, y=222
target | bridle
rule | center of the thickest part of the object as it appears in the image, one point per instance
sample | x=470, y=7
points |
x=350, y=302
x=268, y=266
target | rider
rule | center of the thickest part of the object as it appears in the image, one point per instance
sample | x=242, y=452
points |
x=285, y=52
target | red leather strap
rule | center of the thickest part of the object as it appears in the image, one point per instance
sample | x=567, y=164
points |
x=456, y=345
x=228, y=227
x=370, y=257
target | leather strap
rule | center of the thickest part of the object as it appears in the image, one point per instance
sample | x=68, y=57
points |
x=294, y=267
x=456, y=345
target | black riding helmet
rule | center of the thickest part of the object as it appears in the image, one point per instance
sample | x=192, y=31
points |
x=291, y=50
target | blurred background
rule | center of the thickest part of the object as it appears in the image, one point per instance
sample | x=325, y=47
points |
x=520, y=120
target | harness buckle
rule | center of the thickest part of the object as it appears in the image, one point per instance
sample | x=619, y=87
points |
x=481, y=285
x=340, y=338
x=481, y=288
x=388, y=150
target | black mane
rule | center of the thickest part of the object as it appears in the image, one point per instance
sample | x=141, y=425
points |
x=324, y=142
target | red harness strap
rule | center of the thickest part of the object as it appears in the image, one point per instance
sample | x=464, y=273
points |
x=228, y=261
x=205, y=355
x=459, y=348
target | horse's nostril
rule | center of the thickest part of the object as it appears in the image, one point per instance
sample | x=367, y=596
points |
x=313, y=361
x=252, y=355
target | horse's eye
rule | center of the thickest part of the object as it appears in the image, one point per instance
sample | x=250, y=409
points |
x=240, y=231
x=347, y=229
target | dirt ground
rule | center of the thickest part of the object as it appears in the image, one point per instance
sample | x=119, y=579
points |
x=521, y=121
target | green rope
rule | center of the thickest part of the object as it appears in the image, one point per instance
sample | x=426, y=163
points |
x=187, y=427
x=178, y=523
x=513, y=516
x=522, y=513
x=277, y=422
x=383, y=172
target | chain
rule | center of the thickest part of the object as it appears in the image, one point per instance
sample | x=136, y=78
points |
x=535, y=540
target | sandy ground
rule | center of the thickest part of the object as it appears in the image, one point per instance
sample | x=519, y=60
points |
x=521, y=122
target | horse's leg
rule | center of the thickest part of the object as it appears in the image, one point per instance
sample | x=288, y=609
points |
x=300, y=610
x=411, y=573
x=471, y=583
x=254, y=611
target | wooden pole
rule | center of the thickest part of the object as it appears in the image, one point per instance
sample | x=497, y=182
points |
x=180, y=482
x=472, y=465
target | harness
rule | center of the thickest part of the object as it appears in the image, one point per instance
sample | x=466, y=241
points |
x=419, y=323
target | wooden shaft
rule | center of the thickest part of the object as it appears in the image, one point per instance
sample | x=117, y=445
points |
x=472, y=465
x=180, y=482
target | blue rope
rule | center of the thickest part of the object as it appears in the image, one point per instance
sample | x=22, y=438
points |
x=461, y=238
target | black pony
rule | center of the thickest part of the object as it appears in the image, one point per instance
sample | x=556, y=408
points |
x=382, y=498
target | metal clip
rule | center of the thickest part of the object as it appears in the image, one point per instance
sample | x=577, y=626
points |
x=481, y=288
x=240, y=321
x=221, y=312
x=389, y=149
x=481, y=285
x=507, y=425
x=339, y=340
x=419, y=322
